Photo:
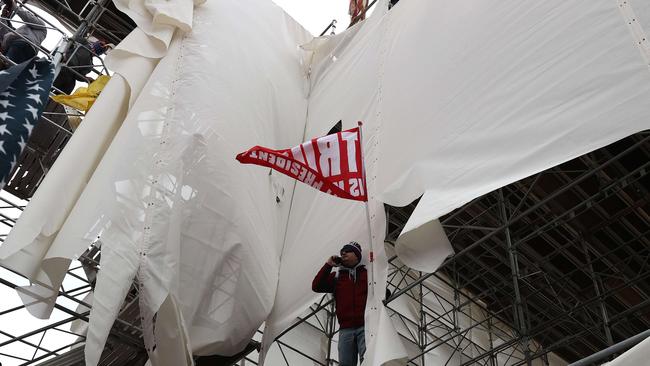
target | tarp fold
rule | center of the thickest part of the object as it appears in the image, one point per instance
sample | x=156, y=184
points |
x=457, y=99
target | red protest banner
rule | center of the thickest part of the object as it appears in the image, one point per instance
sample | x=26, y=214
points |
x=331, y=164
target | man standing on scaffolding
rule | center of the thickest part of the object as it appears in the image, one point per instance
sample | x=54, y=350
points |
x=20, y=45
x=357, y=11
x=350, y=288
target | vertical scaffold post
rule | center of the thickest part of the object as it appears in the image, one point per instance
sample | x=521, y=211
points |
x=519, y=316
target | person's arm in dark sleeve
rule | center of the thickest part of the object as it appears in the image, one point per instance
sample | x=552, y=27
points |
x=5, y=28
x=28, y=17
x=324, y=280
x=36, y=24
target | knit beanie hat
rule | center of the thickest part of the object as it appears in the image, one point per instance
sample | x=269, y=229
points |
x=353, y=247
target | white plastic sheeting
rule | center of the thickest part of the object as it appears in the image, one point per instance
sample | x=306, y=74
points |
x=31, y=248
x=457, y=98
x=180, y=212
x=637, y=355
x=423, y=243
x=511, y=89
x=169, y=177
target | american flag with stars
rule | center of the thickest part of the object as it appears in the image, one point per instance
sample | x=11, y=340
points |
x=24, y=92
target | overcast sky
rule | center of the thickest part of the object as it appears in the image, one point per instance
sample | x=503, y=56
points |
x=315, y=15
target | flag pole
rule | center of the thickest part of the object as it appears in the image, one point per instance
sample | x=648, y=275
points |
x=363, y=177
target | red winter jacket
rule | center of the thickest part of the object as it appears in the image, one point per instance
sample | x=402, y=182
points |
x=350, y=296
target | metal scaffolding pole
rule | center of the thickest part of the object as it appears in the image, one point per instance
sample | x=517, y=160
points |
x=493, y=359
x=601, y=304
x=331, y=326
x=618, y=347
x=540, y=330
x=519, y=316
x=86, y=23
x=422, y=335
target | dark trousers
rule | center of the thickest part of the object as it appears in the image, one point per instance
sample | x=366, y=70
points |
x=65, y=81
x=20, y=51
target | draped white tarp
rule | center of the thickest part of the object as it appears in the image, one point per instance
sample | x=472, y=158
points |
x=457, y=99
x=637, y=355
x=169, y=180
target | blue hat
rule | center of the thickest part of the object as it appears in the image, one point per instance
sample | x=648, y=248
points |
x=353, y=247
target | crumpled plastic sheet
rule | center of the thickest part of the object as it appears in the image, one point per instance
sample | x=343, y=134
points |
x=457, y=99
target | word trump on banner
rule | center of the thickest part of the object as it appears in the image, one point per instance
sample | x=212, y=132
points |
x=331, y=164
